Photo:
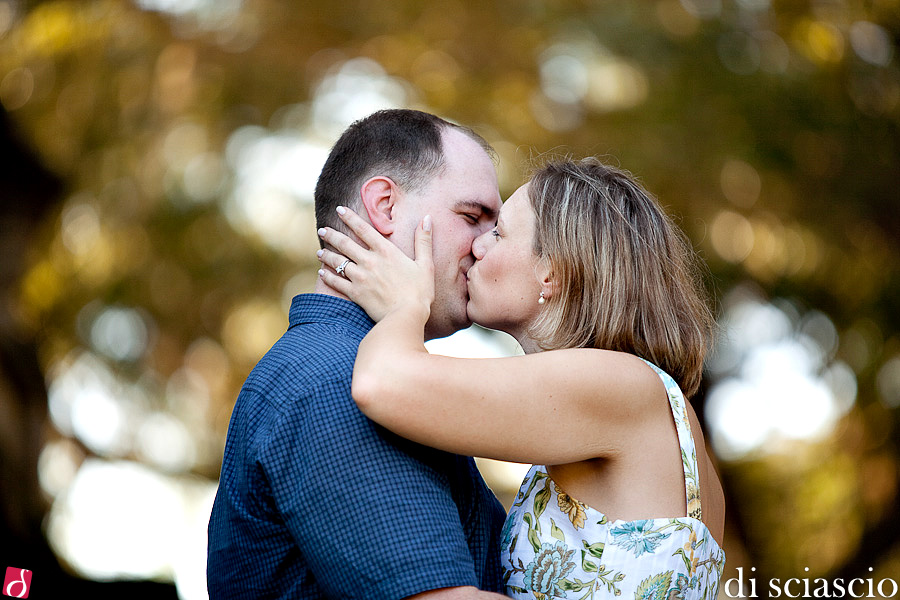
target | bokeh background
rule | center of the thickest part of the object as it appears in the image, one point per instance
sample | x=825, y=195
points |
x=158, y=163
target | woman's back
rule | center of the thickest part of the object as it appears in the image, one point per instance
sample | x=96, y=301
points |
x=646, y=477
x=553, y=542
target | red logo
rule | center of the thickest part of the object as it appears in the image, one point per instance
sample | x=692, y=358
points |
x=17, y=582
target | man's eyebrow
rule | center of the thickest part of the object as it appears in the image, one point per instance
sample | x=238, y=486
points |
x=477, y=206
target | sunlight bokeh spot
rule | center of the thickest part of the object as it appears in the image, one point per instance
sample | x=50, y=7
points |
x=80, y=226
x=58, y=464
x=355, y=89
x=564, y=76
x=164, y=441
x=52, y=26
x=872, y=43
x=675, y=19
x=821, y=41
x=7, y=13
x=205, y=372
x=775, y=55
x=580, y=72
x=204, y=177
x=860, y=344
x=183, y=142
x=120, y=333
x=42, y=286
x=731, y=403
x=99, y=421
x=276, y=172
x=437, y=73
x=704, y=9
x=775, y=378
x=841, y=381
x=290, y=118
x=251, y=328
x=795, y=251
x=740, y=183
x=76, y=373
x=731, y=235
x=768, y=259
x=190, y=401
x=616, y=84
x=555, y=116
x=111, y=504
x=275, y=177
x=210, y=13
x=16, y=88
x=816, y=325
x=175, y=77
x=747, y=323
x=87, y=401
x=888, y=382
x=755, y=5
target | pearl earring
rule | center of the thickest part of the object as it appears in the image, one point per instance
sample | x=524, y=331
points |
x=541, y=300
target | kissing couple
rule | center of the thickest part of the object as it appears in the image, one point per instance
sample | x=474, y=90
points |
x=347, y=470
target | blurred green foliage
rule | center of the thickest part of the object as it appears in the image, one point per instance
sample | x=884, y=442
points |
x=772, y=129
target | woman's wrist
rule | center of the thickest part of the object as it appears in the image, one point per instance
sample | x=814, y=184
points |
x=417, y=312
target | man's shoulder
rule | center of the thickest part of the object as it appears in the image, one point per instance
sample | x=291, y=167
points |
x=305, y=355
x=298, y=383
x=307, y=372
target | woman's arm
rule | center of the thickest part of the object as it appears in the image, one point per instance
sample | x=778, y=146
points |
x=551, y=407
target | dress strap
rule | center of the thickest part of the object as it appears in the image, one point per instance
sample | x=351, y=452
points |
x=685, y=440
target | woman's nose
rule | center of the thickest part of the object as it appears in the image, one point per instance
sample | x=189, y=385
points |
x=478, y=245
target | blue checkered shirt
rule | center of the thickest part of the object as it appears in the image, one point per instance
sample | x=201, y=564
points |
x=316, y=501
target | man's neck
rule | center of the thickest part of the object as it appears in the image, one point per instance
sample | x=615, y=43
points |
x=323, y=288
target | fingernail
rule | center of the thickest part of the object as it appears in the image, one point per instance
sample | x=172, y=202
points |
x=321, y=272
x=319, y=253
x=321, y=232
x=341, y=210
x=427, y=224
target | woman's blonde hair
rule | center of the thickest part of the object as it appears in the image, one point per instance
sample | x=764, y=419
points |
x=625, y=277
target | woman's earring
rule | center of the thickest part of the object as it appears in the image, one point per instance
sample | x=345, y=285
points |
x=541, y=300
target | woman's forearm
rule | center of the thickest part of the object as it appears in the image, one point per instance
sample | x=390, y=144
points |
x=385, y=361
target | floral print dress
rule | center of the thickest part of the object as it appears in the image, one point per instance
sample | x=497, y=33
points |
x=554, y=546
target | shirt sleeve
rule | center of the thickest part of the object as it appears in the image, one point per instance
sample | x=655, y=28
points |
x=373, y=515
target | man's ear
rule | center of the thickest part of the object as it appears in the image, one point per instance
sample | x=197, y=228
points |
x=379, y=196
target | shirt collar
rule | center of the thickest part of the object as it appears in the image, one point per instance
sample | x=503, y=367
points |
x=322, y=308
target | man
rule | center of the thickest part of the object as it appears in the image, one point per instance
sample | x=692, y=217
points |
x=315, y=500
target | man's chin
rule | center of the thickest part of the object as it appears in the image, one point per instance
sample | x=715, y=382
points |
x=445, y=329
x=435, y=331
x=471, y=311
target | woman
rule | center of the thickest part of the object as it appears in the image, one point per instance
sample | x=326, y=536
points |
x=600, y=290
